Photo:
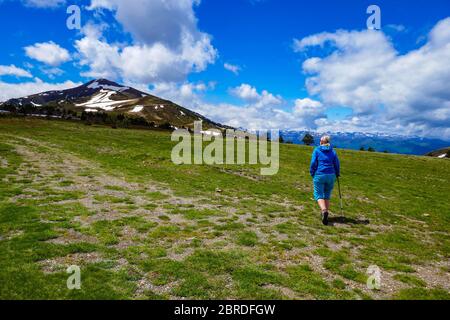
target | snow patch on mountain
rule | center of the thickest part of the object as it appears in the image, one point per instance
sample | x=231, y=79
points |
x=102, y=100
x=137, y=109
x=210, y=133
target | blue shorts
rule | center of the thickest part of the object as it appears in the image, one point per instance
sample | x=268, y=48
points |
x=323, y=186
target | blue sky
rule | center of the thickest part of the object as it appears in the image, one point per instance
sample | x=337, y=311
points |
x=250, y=63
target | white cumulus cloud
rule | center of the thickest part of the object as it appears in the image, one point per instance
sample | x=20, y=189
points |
x=163, y=21
x=166, y=47
x=402, y=93
x=254, y=117
x=186, y=94
x=249, y=94
x=17, y=90
x=12, y=70
x=49, y=53
x=263, y=110
x=232, y=68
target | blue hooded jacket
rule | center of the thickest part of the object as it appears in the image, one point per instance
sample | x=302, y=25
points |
x=324, y=161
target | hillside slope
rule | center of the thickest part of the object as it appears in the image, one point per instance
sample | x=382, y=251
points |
x=441, y=153
x=112, y=202
x=104, y=96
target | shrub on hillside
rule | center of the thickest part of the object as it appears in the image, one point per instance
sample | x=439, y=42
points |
x=308, y=139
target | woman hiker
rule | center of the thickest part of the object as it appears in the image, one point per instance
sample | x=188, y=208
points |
x=324, y=170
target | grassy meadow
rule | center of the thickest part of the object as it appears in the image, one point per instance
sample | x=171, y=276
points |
x=141, y=227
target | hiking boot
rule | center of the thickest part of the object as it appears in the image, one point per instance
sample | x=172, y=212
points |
x=325, y=217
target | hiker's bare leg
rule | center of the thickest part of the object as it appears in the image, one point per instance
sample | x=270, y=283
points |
x=327, y=204
x=322, y=204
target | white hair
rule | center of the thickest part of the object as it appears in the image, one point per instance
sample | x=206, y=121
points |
x=325, y=139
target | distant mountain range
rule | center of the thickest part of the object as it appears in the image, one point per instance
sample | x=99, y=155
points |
x=380, y=142
x=104, y=100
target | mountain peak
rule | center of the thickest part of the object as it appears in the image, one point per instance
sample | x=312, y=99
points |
x=105, y=84
x=105, y=81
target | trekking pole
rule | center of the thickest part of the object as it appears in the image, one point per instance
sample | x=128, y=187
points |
x=340, y=196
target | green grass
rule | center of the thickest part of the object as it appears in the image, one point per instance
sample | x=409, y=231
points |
x=410, y=279
x=141, y=227
x=247, y=238
x=423, y=294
